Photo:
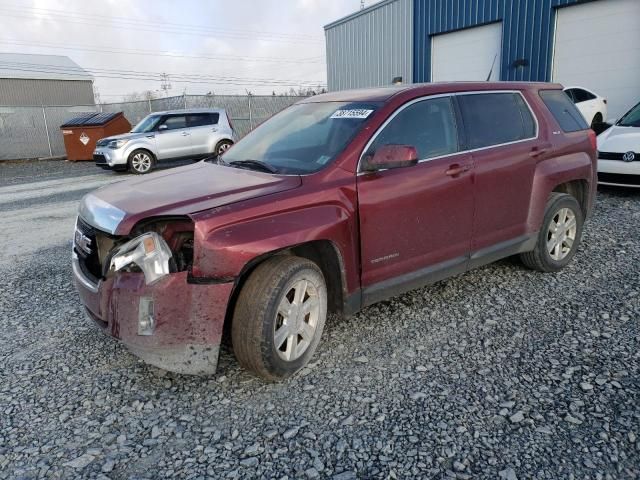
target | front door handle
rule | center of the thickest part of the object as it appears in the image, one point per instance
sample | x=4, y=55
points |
x=456, y=169
x=184, y=134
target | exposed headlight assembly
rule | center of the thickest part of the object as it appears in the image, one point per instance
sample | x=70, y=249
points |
x=149, y=252
x=115, y=144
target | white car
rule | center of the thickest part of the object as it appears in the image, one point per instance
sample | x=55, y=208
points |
x=592, y=106
x=619, y=151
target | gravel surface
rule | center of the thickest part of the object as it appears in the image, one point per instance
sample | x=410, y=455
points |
x=500, y=373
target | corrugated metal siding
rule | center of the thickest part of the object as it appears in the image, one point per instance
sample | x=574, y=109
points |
x=21, y=92
x=371, y=47
x=528, y=28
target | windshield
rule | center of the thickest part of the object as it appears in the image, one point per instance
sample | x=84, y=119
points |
x=147, y=124
x=304, y=138
x=631, y=118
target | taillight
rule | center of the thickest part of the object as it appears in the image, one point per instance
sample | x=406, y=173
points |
x=592, y=139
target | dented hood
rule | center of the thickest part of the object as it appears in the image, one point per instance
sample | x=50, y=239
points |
x=116, y=208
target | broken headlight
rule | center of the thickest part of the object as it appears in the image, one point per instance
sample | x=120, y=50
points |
x=149, y=252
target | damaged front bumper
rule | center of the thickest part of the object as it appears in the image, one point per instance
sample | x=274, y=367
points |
x=171, y=324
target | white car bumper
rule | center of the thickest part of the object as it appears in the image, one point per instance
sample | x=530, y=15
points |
x=618, y=172
x=109, y=157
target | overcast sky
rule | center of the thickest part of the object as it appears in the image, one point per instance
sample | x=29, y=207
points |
x=223, y=46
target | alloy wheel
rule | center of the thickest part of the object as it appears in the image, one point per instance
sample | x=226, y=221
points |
x=561, y=234
x=296, y=320
x=141, y=162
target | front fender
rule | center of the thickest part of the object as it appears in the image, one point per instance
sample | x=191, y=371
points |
x=146, y=144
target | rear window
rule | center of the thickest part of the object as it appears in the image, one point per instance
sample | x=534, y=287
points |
x=563, y=110
x=201, y=119
x=495, y=118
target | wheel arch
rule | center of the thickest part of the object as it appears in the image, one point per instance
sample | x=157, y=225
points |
x=324, y=253
x=578, y=189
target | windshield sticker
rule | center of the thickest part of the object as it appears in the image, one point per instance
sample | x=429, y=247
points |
x=353, y=113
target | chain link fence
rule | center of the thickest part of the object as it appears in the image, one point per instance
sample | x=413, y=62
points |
x=34, y=132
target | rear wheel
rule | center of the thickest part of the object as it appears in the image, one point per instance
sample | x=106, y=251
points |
x=559, y=235
x=597, y=119
x=222, y=146
x=141, y=162
x=279, y=317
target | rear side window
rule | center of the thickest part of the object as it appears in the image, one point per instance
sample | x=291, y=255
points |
x=580, y=95
x=495, y=118
x=201, y=119
x=563, y=110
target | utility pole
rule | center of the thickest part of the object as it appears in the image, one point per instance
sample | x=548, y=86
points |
x=165, y=85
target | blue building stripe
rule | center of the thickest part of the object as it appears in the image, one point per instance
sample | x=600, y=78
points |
x=527, y=32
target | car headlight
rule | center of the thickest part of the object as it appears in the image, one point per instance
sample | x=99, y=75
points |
x=115, y=144
x=149, y=252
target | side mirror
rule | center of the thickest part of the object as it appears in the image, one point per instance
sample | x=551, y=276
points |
x=392, y=156
x=162, y=127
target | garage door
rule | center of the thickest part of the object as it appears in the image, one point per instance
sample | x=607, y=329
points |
x=467, y=54
x=597, y=46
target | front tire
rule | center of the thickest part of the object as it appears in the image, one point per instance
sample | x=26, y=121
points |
x=559, y=235
x=279, y=317
x=141, y=162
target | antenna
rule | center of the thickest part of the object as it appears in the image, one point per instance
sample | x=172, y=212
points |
x=492, y=64
x=165, y=85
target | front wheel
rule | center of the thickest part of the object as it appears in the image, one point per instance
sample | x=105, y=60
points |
x=559, y=235
x=279, y=317
x=141, y=162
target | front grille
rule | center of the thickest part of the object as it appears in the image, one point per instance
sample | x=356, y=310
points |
x=99, y=159
x=614, y=155
x=619, y=178
x=88, y=251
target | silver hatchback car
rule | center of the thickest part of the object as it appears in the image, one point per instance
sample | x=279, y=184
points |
x=171, y=135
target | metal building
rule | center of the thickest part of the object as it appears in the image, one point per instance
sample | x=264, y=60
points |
x=594, y=44
x=29, y=80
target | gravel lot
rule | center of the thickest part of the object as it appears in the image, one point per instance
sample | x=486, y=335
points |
x=500, y=373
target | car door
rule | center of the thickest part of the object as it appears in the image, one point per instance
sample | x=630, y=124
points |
x=203, y=127
x=415, y=222
x=501, y=133
x=173, y=137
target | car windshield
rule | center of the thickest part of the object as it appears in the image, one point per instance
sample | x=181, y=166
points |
x=302, y=139
x=631, y=118
x=147, y=124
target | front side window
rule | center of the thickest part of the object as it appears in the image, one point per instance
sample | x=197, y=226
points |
x=631, y=118
x=563, y=110
x=175, y=122
x=495, y=118
x=304, y=138
x=147, y=124
x=428, y=125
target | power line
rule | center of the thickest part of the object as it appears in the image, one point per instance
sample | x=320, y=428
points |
x=137, y=22
x=71, y=70
x=156, y=53
x=138, y=28
x=155, y=76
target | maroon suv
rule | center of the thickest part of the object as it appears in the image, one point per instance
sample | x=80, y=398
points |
x=337, y=202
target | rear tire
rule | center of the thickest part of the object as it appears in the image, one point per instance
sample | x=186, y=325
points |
x=559, y=235
x=597, y=119
x=141, y=161
x=279, y=317
x=222, y=146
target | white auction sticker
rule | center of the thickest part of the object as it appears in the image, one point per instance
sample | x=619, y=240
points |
x=353, y=113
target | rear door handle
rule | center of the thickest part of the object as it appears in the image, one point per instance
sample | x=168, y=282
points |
x=456, y=169
x=541, y=150
x=184, y=134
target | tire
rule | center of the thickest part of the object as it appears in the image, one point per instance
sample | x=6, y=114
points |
x=258, y=324
x=222, y=146
x=597, y=119
x=549, y=255
x=141, y=161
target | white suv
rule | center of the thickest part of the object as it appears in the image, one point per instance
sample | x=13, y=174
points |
x=166, y=136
